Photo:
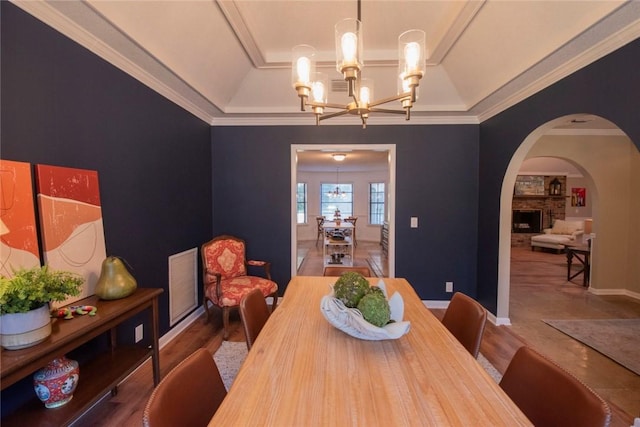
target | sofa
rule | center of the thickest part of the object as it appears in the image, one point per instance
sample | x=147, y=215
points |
x=559, y=235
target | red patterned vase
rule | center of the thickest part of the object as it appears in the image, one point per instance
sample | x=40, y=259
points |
x=56, y=382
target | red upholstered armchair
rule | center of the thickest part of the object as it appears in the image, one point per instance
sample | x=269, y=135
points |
x=225, y=276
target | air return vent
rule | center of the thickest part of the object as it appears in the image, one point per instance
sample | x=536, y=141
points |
x=183, y=282
x=339, y=86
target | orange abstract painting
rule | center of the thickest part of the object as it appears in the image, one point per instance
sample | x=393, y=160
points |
x=71, y=222
x=18, y=236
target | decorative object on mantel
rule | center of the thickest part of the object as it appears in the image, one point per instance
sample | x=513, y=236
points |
x=349, y=53
x=55, y=383
x=352, y=322
x=555, y=187
x=24, y=304
x=115, y=281
x=529, y=185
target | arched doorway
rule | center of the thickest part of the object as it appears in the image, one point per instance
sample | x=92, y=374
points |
x=600, y=150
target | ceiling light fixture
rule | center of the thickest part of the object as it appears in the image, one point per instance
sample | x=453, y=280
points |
x=348, y=35
x=337, y=193
x=339, y=157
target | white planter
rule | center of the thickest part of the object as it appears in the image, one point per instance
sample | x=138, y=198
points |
x=22, y=330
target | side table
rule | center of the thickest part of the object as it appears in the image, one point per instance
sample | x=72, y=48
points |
x=583, y=254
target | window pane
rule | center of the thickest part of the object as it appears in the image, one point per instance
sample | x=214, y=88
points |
x=376, y=202
x=334, y=197
x=301, y=200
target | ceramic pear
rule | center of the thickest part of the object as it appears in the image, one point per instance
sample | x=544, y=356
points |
x=115, y=281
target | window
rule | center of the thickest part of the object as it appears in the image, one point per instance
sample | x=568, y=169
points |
x=301, y=203
x=330, y=202
x=376, y=202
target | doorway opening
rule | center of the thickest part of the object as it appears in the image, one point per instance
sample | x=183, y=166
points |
x=310, y=162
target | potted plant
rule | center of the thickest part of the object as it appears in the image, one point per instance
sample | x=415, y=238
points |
x=24, y=303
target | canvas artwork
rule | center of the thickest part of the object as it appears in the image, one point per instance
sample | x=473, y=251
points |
x=18, y=235
x=71, y=222
x=578, y=197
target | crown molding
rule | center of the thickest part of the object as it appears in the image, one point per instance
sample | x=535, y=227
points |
x=309, y=120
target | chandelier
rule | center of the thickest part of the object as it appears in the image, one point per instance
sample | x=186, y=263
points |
x=337, y=193
x=312, y=86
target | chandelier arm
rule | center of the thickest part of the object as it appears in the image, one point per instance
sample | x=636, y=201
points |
x=331, y=115
x=402, y=96
x=327, y=105
x=386, y=110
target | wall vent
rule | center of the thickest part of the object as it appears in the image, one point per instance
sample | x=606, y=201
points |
x=183, y=284
x=339, y=86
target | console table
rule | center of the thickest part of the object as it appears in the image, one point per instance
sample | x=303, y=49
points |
x=98, y=376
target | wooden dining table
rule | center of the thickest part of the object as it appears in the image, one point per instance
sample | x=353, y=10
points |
x=301, y=371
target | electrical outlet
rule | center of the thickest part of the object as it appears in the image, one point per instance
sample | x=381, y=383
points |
x=448, y=286
x=139, y=333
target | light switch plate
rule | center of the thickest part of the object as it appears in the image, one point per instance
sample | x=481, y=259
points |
x=414, y=222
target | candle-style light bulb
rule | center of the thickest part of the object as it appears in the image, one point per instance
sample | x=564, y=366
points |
x=412, y=55
x=365, y=95
x=317, y=90
x=349, y=47
x=303, y=67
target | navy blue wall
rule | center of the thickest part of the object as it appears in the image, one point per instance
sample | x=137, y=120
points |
x=609, y=88
x=62, y=105
x=436, y=180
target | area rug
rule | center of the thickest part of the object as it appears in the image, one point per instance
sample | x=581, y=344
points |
x=491, y=370
x=229, y=358
x=615, y=338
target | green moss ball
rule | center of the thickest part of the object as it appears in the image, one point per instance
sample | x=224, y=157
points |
x=350, y=288
x=375, y=309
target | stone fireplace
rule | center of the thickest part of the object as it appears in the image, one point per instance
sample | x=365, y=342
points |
x=540, y=209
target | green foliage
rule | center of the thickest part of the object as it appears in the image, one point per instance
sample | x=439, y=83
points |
x=29, y=289
x=375, y=309
x=350, y=287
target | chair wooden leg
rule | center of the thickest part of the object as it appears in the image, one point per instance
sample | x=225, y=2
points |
x=225, y=323
x=275, y=301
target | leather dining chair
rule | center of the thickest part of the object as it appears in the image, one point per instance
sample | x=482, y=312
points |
x=226, y=279
x=254, y=313
x=188, y=395
x=338, y=271
x=465, y=319
x=550, y=396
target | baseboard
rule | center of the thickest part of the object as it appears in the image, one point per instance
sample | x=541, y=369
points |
x=180, y=327
x=623, y=292
x=437, y=304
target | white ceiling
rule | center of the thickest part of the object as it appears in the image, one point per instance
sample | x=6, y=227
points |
x=227, y=61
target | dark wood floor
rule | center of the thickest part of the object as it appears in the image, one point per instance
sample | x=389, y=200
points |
x=538, y=290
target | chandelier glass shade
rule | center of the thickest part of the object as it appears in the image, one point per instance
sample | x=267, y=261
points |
x=312, y=86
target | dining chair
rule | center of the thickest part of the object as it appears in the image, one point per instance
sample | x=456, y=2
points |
x=352, y=232
x=188, y=395
x=338, y=270
x=226, y=279
x=465, y=319
x=320, y=232
x=550, y=396
x=254, y=313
